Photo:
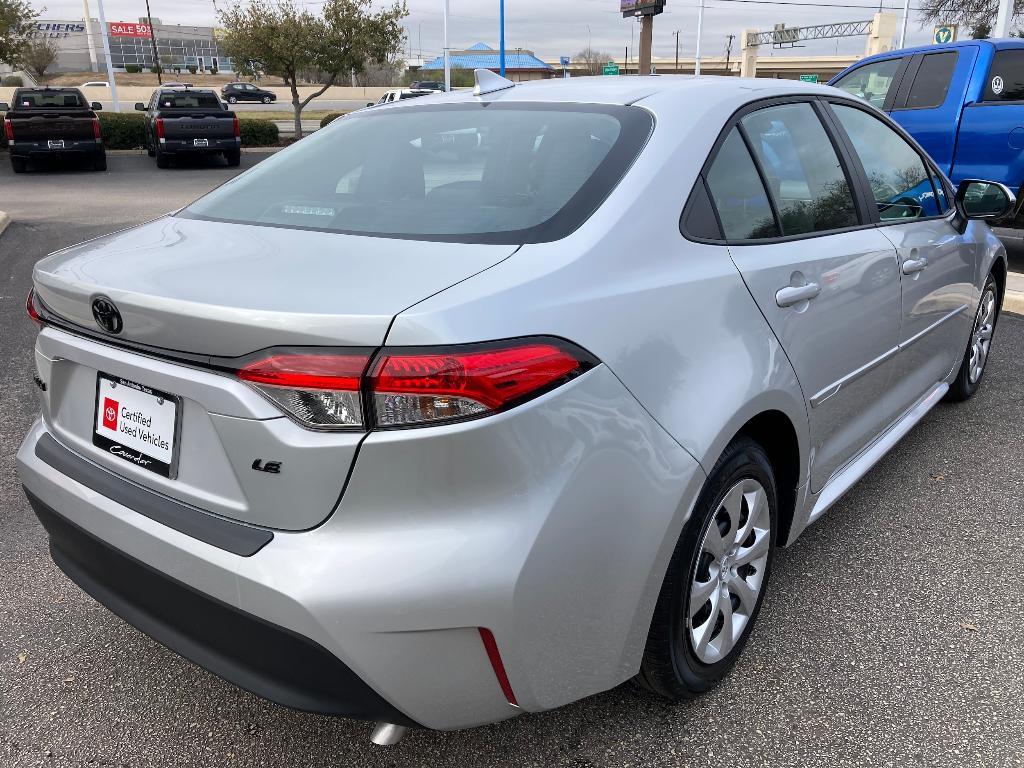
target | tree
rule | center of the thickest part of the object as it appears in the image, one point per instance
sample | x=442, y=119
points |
x=593, y=61
x=275, y=37
x=978, y=16
x=39, y=55
x=15, y=18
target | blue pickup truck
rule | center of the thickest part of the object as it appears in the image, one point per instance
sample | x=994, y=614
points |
x=963, y=102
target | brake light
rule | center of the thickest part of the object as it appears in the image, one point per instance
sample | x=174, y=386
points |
x=96, y=128
x=160, y=128
x=238, y=128
x=419, y=387
x=409, y=386
x=320, y=390
x=33, y=308
x=8, y=129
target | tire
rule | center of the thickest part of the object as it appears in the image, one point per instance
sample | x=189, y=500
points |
x=972, y=367
x=18, y=164
x=266, y=99
x=675, y=665
x=232, y=99
x=234, y=157
x=99, y=162
x=162, y=160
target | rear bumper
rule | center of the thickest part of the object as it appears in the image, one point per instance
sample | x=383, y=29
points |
x=550, y=524
x=187, y=146
x=39, y=149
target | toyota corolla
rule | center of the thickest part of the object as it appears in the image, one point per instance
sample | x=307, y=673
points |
x=432, y=431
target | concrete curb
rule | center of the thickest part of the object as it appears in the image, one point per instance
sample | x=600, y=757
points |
x=1013, y=302
x=5, y=219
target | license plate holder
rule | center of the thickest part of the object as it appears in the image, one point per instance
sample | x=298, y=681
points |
x=201, y=142
x=55, y=143
x=137, y=424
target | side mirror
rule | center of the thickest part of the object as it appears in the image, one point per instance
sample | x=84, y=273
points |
x=4, y=106
x=984, y=200
x=96, y=106
x=140, y=107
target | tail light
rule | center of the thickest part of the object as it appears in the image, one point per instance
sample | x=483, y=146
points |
x=238, y=128
x=407, y=387
x=160, y=128
x=32, y=307
x=96, y=134
x=8, y=129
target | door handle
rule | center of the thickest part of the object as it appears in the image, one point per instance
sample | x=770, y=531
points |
x=794, y=294
x=910, y=266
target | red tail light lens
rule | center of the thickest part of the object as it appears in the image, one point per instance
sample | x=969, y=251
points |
x=8, y=129
x=413, y=387
x=160, y=128
x=33, y=308
x=96, y=134
x=422, y=387
x=322, y=391
x=238, y=127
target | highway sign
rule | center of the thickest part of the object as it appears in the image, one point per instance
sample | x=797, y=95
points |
x=565, y=61
x=808, y=78
x=611, y=68
x=944, y=33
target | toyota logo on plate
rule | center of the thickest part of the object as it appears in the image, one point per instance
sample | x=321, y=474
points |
x=106, y=315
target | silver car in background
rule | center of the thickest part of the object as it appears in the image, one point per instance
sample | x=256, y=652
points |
x=480, y=404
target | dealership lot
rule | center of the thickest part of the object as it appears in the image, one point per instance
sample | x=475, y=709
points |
x=891, y=635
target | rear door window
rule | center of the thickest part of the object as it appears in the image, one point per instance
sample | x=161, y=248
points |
x=872, y=82
x=739, y=195
x=931, y=85
x=802, y=169
x=1006, y=77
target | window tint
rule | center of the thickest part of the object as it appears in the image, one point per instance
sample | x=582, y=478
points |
x=871, y=82
x=738, y=193
x=460, y=172
x=932, y=82
x=1006, y=77
x=803, y=171
x=188, y=100
x=48, y=99
x=899, y=179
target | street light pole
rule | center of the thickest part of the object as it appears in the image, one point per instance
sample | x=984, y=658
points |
x=88, y=36
x=106, y=55
x=152, y=39
x=676, y=33
x=700, y=31
x=501, y=45
x=903, y=29
x=447, y=60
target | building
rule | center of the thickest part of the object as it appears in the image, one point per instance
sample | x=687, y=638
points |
x=80, y=45
x=520, y=64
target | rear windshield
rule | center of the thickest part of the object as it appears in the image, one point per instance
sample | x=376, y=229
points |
x=49, y=100
x=484, y=173
x=188, y=101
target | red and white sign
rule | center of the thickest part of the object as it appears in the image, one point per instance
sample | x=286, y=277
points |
x=127, y=29
x=110, y=409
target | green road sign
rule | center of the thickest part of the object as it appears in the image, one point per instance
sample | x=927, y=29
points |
x=808, y=78
x=944, y=33
x=611, y=68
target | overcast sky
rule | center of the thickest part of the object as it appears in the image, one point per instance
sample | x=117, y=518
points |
x=554, y=28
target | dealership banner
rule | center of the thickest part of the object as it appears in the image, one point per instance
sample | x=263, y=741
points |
x=127, y=29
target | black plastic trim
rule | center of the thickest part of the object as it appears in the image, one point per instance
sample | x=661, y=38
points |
x=263, y=658
x=236, y=538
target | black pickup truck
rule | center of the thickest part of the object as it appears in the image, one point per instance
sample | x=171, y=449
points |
x=189, y=121
x=52, y=122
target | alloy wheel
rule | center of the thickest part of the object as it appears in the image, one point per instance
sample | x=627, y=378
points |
x=981, y=338
x=730, y=571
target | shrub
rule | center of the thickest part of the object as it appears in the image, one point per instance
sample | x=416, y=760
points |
x=330, y=117
x=122, y=130
x=156, y=70
x=12, y=81
x=258, y=133
x=192, y=69
x=214, y=70
x=133, y=69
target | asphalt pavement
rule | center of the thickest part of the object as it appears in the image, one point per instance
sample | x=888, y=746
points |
x=891, y=635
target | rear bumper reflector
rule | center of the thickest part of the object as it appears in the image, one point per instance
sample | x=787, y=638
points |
x=491, y=646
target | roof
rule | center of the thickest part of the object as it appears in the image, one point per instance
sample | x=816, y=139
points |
x=488, y=58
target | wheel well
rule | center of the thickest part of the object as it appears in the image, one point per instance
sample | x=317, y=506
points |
x=774, y=432
x=999, y=273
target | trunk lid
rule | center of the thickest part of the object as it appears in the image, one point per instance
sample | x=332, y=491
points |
x=215, y=289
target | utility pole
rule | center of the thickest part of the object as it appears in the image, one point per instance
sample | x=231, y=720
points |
x=676, y=33
x=728, y=52
x=152, y=39
x=106, y=55
x=501, y=45
x=447, y=58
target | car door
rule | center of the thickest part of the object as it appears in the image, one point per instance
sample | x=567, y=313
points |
x=825, y=279
x=936, y=268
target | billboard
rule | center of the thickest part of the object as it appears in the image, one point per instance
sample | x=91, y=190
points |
x=641, y=7
x=128, y=29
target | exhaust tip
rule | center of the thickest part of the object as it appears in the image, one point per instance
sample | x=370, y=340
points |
x=388, y=734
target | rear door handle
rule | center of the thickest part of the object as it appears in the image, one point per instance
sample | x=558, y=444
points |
x=910, y=266
x=794, y=294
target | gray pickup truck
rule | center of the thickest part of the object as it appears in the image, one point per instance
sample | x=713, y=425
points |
x=190, y=121
x=45, y=123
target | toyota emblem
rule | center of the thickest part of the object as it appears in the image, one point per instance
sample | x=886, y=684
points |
x=106, y=315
